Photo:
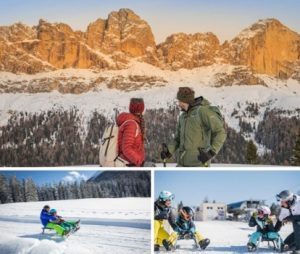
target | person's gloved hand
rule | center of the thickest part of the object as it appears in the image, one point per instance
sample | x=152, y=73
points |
x=178, y=230
x=269, y=221
x=205, y=156
x=254, y=215
x=163, y=215
x=165, y=153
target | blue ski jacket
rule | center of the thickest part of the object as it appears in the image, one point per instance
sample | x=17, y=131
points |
x=45, y=217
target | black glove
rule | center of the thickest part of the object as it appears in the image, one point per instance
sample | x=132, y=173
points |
x=163, y=215
x=205, y=156
x=165, y=153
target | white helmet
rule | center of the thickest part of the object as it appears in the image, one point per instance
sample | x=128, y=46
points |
x=166, y=195
x=264, y=209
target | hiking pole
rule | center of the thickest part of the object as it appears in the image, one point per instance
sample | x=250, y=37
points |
x=165, y=150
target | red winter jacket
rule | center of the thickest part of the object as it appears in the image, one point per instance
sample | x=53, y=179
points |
x=130, y=139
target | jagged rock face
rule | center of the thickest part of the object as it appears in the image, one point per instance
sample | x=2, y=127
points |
x=12, y=57
x=240, y=75
x=123, y=32
x=17, y=32
x=56, y=46
x=122, y=36
x=60, y=46
x=267, y=47
x=188, y=51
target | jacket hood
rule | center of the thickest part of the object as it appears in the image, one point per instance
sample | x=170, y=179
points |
x=123, y=117
x=199, y=101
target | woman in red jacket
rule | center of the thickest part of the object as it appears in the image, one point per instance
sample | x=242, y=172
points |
x=132, y=134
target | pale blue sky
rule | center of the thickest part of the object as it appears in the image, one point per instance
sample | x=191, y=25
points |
x=230, y=186
x=224, y=18
x=51, y=176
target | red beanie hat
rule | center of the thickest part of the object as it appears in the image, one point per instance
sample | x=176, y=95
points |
x=136, y=106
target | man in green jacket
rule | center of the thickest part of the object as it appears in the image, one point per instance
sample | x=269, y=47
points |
x=200, y=132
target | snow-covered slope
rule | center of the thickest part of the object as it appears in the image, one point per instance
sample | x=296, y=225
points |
x=274, y=94
x=107, y=225
x=227, y=237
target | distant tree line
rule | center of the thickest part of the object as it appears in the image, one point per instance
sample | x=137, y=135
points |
x=14, y=190
x=58, y=137
x=278, y=132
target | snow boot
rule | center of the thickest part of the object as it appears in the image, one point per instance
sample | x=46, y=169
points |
x=167, y=245
x=204, y=243
x=284, y=247
x=156, y=247
x=66, y=233
x=251, y=247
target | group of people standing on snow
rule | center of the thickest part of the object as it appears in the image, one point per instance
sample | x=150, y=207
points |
x=199, y=134
x=184, y=227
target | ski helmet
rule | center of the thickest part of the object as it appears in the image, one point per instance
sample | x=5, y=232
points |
x=186, y=213
x=52, y=211
x=264, y=210
x=285, y=195
x=166, y=195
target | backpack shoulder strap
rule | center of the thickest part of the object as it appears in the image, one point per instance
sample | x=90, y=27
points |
x=137, y=126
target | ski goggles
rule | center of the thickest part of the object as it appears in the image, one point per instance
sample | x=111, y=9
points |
x=260, y=212
x=169, y=198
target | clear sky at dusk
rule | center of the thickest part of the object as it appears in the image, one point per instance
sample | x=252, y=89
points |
x=224, y=18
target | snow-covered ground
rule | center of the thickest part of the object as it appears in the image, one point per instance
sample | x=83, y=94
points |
x=120, y=225
x=277, y=93
x=227, y=237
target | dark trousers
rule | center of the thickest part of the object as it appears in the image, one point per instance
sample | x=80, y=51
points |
x=293, y=240
x=296, y=226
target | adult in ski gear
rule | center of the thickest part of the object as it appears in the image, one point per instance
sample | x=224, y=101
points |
x=185, y=229
x=131, y=134
x=67, y=225
x=200, y=132
x=163, y=211
x=264, y=229
x=290, y=211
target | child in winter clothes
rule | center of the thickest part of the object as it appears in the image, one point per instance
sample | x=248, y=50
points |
x=67, y=225
x=52, y=221
x=163, y=211
x=265, y=228
x=185, y=228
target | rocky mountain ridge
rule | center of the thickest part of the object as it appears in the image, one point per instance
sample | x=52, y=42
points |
x=266, y=47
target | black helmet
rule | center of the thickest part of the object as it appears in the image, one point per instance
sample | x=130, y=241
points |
x=186, y=213
x=46, y=207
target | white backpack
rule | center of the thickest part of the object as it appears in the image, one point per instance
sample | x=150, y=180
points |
x=109, y=154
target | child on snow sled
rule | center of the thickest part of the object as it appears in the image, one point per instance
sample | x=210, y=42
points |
x=265, y=228
x=68, y=225
x=49, y=220
x=185, y=229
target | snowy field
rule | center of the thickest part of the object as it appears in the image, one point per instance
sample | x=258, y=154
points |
x=275, y=94
x=120, y=225
x=226, y=237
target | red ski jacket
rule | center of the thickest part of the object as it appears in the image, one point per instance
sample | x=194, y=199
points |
x=130, y=139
